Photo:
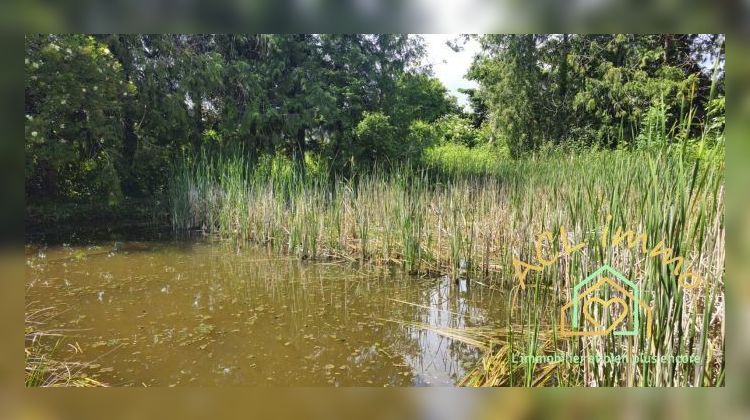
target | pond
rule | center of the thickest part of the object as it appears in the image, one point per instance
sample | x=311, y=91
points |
x=201, y=313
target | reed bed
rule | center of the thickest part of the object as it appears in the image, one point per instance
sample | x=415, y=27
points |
x=474, y=224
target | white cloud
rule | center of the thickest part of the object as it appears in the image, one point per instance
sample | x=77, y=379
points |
x=449, y=66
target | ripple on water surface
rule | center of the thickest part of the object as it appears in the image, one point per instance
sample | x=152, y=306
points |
x=195, y=313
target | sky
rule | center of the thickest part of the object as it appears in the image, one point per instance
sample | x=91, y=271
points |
x=449, y=66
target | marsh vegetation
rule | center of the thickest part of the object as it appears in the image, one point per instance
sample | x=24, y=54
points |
x=473, y=226
x=347, y=228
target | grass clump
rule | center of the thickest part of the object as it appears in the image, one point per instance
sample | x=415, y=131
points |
x=41, y=345
x=458, y=158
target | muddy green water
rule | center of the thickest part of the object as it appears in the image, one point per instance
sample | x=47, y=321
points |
x=203, y=314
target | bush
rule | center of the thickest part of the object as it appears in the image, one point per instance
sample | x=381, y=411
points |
x=458, y=130
x=376, y=139
x=421, y=135
x=458, y=158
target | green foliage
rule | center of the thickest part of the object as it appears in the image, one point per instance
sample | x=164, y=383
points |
x=376, y=139
x=211, y=138
x=420, y=97
x=486, y=135
x=595, y=90
x=107, y=113
x=653, y=130
x=456, y=129
x=74, y=90
x=511, y=81
x=458, y=158
x=716, y=118
x=421, y=136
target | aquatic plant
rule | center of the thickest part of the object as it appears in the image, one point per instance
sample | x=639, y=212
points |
x=41, y=344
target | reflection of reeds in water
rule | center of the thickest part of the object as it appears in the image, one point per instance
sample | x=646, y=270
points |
x=475, y=224
x=496, y=367
x=41, y=344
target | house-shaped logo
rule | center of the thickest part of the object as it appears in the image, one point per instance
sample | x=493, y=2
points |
x=604, y=303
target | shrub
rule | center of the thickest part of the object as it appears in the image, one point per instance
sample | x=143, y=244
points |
x=421, y=135
x=376, y=138
x=458, y=158
x=456, y=129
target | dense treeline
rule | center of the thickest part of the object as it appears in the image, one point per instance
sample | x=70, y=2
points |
x=597, y=90
x=106, y=115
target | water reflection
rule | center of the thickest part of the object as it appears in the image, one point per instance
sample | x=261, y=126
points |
x=194, y=313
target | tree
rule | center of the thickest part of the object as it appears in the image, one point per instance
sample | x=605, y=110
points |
x=479, y=109
x=369, y=73
x=592, y=90
x=421, y=135
x=418, y=96
x=456, y=129
x=511, y=81
x=375, y=140
x=73, y=102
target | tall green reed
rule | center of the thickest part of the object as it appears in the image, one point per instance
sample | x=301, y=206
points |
x=474, y=223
